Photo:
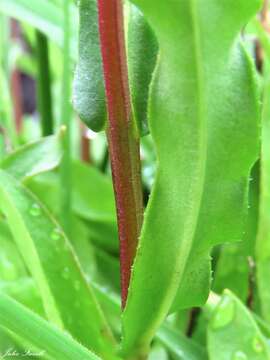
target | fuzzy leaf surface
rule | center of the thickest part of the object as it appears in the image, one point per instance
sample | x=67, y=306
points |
x=204, y=118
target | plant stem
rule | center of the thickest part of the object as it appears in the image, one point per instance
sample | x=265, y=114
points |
x=264, y=21
x=66, y=114
x=122, y=136
x=16, y=89
x=44, y=84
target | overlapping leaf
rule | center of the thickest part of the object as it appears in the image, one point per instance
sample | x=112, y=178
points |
x=88, y=88
x=51, y=342
x=34, y=158
x=233, y=334
x=203, y=108
x=43, y=15
x=67, y=298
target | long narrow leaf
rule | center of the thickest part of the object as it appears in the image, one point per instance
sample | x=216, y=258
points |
x=53, y=343
x=49, y=256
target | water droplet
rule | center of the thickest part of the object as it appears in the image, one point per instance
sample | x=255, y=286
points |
x=35, y=210
x=8, y=270
x=65, y=273
x=224, y=314
x=66, y=245
x=56, y=234
x=239, y=355
x=257, y=344
x=77, y=285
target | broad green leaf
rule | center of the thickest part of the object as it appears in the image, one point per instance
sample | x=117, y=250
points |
x=204, y=107
x=94, y=188
x=34, y=158
x=67, y=298
x=93, y=197
x=232, y=271
x=142, y=58
x=233, y=333
x=234, y=267
x=88, y=87
x=263, y=238
x=177, y=344
x=93, y=201
x=43, y=15
x=53, y=343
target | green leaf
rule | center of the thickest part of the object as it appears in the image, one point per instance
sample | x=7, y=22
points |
x=234, y=267
x=142, y=59
x=204, y=107
x=179, y=345
x=52, y=343
x=93, y=197
x=24, y=291
x=93, y=201
x=44, y=16
x=88, y=87
x=34, y=158
x=263, y=237
x=11, y=263
x=66, y=296
x=233, y=333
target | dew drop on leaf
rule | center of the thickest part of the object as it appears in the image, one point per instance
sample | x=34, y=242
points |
x=257, y=344
x=65, y=273
x=35, y=210
x=239, y=355
x=77, y=285
x=56, y=234
x=224, y=314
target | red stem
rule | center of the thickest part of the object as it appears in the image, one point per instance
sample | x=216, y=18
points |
x=122, y=136
x=16, y=89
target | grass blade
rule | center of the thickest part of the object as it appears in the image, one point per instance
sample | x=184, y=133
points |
x=67, y=298
x=55, y=343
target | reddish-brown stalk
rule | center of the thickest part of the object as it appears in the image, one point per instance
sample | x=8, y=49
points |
x=264, y=20
x=16, y=89
x=122, y=136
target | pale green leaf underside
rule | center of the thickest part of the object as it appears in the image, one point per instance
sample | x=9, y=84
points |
x=34, y=158
x=203, y=108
